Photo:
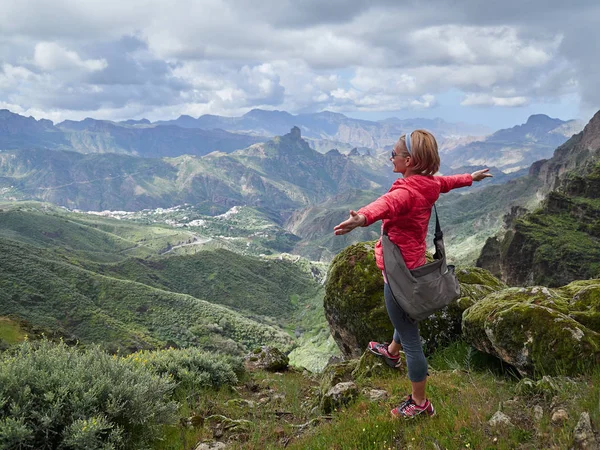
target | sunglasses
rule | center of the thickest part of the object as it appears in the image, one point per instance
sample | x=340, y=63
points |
x=394, y=154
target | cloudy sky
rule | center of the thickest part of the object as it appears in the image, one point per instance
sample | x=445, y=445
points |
x=493, y=63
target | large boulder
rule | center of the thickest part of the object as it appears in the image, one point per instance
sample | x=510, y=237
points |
x=539, y=330
x=355, y=308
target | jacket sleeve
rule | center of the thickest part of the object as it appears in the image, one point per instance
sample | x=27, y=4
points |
x=394, y=203
x=449, y=182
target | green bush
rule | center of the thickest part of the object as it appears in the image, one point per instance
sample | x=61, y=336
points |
x=58, y=397
x=191, y=368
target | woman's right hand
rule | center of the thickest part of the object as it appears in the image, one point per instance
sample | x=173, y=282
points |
x=355, y=220
x=479, y=175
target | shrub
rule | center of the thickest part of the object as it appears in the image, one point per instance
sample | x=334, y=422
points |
x=191, y=368
x=57, y=397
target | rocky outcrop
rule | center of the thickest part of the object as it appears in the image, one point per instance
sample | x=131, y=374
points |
x=355, y=308
x=554, y=245
x=539, y=330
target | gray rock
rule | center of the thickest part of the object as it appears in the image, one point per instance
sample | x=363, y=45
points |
x=499, y=419
x=559, y=416
x=376, y=395
x=339, y=395
x=583, y=435
x=211, y=446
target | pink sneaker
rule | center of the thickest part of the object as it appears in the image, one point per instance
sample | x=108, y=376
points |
x=408, y=409
x=382, y=350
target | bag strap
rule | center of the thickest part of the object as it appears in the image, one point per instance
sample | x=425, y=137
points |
x=438, y=228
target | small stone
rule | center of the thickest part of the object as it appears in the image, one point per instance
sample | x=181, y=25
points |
x=583, y=435
x=500, y=419
x=376, y=395
x=339, y=395
x=211, y=446
x=538, y=413
x=263, y=400
x=559, y=416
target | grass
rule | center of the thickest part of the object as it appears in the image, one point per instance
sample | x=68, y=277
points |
x=11, y=331
x=465, y=398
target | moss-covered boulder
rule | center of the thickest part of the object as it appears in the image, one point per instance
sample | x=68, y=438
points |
x=355, y=307
x=540, y=331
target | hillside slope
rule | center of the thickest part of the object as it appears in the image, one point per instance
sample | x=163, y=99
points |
x=117, y=313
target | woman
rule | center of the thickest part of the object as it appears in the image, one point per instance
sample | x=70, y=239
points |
x=405, y=211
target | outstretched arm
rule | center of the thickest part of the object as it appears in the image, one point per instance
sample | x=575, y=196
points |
x=393, y=203
x=355, y=220
x=449, y=182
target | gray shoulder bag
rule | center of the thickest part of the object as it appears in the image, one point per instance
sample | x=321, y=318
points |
x=422, y=291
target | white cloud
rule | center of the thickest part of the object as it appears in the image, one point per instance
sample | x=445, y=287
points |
x=51, y=56
x=488, y=100
x=227, y=56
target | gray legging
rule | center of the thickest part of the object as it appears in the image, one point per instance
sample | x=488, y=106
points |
x=406, y=333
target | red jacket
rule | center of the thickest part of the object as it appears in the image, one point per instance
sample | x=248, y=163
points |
x=405, y=211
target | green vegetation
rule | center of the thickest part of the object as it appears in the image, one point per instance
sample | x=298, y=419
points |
x=271, y=411
x=53, y=396
x=192, y=369
x=11, y=332
x=118, y=313
x=108, y=281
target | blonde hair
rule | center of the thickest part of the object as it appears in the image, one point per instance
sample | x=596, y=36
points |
x=424, y=152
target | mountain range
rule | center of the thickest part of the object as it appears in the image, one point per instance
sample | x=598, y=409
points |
x=328, y=125
x=281, y=174
x=516, y=148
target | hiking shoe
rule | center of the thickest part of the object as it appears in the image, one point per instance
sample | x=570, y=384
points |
x=381, y=349
x=408, y=409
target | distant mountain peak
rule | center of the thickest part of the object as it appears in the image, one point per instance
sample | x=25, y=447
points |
x=542, y=119
x=262, y=113
x=295, y=133
x=135, y=122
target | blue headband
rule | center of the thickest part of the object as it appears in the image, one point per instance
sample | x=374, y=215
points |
x=407, y=142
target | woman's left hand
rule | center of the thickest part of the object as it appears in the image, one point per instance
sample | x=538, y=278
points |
x=479, y=175
x=355, y=220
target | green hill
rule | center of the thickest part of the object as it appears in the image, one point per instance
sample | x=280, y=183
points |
x=118, y=313
x=117, y=282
